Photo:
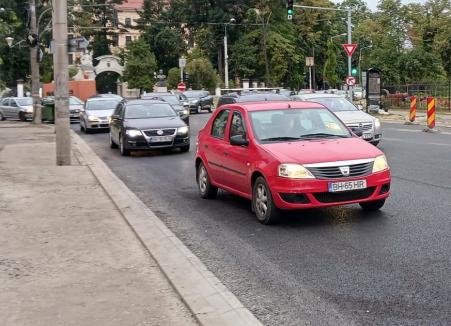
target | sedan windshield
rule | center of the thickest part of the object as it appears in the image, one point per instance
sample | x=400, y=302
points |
x=147, y=111
x=25, y=101
x=334, y=103
x=109, y=104
x=171, y=99
x=192, y=94
x=75, y=101
x=296, y=124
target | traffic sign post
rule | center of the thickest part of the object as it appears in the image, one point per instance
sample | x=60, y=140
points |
x=182, y=64
x=181, y=87
x=350, y=81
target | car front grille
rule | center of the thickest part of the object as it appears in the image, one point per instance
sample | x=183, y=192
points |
x=154, y=132
x=334, y=172
x=337, y=197
x=365, y=126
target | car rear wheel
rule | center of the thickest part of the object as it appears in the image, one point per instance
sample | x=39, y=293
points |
x=263, y=204
x=206, y=189
x=22, y=116
x=112, y=143
x=124, y=151
x=373, y=205
x=2, y=117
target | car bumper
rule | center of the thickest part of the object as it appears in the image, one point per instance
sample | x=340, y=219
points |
x=97, y=124
x=313, y=193
x=141, y=144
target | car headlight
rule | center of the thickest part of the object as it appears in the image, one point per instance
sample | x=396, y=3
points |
x=294, y=171
x=93, y=118
x=133, y=132
x=184, y=112
x=30, y=110
x=380, y=164
x=377, y=123
x=194, y=101
x=182, y=130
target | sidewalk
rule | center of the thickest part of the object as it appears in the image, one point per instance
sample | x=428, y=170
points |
x=441, y=119
x=67, y=257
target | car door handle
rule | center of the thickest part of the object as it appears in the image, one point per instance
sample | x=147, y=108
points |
x=226, y=153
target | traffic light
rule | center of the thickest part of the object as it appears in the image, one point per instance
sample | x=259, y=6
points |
x=354, y=68
x=290, y=10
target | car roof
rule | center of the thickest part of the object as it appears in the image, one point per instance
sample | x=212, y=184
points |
x=317, y=95
x=144, y=101
x=156, y=94
x=277, y=105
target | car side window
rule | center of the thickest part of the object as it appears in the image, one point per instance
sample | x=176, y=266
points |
x=237, y=125
x=219, y=124
x=13, y=103
x=5, y=102
x=118, y=110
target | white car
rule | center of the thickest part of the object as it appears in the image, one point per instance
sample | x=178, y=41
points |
x=348, y=113
x=97, y=112
x=16, y=108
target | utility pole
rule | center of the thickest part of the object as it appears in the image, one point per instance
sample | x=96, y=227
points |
x=61, y=76
x=350, y=97
x=34, y=65
x=226, y=60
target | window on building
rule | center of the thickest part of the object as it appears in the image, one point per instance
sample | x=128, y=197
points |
x=128, y=39
x=115, y=39
x=70, y=59
x=128, y=22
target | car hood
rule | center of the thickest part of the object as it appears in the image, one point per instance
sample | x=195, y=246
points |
x=26, y=107
x=100, y=113
x=154, y=123
x=177, y=107
x=353, y=116
x=324, y=150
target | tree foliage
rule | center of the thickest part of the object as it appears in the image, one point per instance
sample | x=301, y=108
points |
x=202, y=75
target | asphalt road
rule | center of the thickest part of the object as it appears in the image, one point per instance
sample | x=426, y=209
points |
x=335, y=266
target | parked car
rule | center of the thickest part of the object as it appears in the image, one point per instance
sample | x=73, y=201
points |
x=147, y=124
x=97, y=112
x=173, y=100
x=182, y=98
x=250, y=97
x=75, y=107
x=288, y=155
x=358, y=93
x=199, y=100
x=16, y=108
x=349, y=114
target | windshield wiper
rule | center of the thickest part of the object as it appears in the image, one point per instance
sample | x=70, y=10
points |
x=322, y=135
x=280, y=138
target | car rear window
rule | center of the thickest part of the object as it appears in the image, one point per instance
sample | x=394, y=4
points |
x=109, y=104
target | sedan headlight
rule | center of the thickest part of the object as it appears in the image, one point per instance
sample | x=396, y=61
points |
x=133, y=132
x=294, y=171
x=194, y=101
x=93, y=118
x=184, y=112
x=377, y=123
x=182, y=130
x=30, y=110
x=380, y=164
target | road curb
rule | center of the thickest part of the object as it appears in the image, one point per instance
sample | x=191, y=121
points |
x=207, y=298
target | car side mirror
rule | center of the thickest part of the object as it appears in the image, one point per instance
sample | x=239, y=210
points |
x=239, y=140
x=357, y=131
x=360, y=107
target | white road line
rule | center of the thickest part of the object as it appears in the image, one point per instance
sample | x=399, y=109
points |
x=409, y=141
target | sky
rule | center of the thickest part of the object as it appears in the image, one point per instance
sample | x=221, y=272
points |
x=372, y=4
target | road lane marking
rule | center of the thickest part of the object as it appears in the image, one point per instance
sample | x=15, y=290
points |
x=416, y=143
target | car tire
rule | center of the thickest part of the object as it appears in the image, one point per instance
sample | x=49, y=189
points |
x=263, y=204
x=209, y=109
x=22, y=116
x=184, y=149
x=112, y=143
x=375, y=143
x=87, y=130
x=206, y=189
x=372, y=205
x=2, y=117
x=124, y=151
x=199, y=109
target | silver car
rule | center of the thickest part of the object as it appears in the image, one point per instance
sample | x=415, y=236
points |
x=16, y=108
x=97, y=112
x=348, y=113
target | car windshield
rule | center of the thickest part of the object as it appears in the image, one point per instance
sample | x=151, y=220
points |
x=146, y=111
x=171, y=99
x=75, y=101
x=109, y=104
x=262, y=97
x=334, y=103
x=25, y=101
x=194, y=94
x=296, y=124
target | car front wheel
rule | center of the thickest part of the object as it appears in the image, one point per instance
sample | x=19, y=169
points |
x=124, y=151
x=2, y=117
x=112, y=143
x=372, y=205
x=206, y=189
x=263, y=204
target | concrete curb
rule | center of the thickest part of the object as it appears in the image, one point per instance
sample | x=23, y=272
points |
x=208, y=299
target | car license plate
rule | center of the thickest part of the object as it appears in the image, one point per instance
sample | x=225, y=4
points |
x=347, y=185
x=161, y=139
x=367, y=136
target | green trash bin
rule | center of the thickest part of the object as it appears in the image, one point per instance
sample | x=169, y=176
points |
x=48, y=110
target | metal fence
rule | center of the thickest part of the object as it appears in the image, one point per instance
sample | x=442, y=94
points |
x=398, y=96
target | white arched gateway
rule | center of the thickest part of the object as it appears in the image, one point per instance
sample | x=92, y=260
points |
x=109, y=63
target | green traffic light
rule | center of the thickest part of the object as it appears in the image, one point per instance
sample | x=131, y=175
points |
x=354, y=71
x=290, y=11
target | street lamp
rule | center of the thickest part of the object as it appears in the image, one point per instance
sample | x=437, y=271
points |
x=9, y=40
x=226, y=56
x=339, y=35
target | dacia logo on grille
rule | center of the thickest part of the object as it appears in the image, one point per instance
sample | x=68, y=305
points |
x=160, y=132
x=344, y=170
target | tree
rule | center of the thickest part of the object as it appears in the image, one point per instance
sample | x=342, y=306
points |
x=201, y=74
x=140, y=66
x=173, y=78
x=330, y=67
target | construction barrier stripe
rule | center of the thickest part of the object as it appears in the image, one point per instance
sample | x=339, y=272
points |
x=431, y=112
x=413, y=108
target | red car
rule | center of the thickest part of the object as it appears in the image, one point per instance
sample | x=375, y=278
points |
x=288, y=155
